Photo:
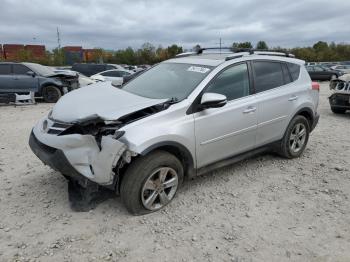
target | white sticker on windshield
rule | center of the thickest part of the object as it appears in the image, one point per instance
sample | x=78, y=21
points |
x=198, y=69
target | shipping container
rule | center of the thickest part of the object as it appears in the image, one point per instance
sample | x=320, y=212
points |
x=36, y=51
x=12, y=51
x=73, y=48
x=72, y=57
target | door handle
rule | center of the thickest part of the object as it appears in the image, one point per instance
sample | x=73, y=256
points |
x=293, y=98
x=249, y=109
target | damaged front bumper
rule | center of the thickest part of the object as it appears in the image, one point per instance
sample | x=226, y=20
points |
x=340, y=99
x=78, y=156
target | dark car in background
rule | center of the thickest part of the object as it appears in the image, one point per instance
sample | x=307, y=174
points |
x=317, y=72
x=90, y=69
x=22, y=78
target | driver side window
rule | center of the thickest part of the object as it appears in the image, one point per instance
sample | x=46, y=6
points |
x=233, y=82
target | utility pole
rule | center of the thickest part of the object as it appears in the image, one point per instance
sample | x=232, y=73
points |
x=59, y=52
x=58, y=39
x=220, y=44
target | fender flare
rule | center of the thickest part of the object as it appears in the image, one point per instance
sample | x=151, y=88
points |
x=190, y=170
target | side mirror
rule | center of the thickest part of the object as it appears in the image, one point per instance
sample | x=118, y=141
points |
x=117, y=83
x=31, y=73
x=213, y=100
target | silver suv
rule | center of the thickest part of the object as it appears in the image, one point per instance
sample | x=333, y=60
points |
x=181, y=118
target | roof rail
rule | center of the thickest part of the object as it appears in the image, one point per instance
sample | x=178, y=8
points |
x=259, y=52
x=238, y=52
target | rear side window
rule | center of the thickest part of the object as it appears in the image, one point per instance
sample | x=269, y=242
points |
x=110, y=67
x=20, y=69
x=5, y=69
x=294, y=70
x=286, y=75
x=112, y=74
x=268, y=75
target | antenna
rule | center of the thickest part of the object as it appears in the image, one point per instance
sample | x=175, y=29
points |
x=58, y=39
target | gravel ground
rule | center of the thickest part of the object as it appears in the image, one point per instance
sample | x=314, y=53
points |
x=263, y=209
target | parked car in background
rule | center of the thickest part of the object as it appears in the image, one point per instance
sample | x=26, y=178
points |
x=83, y=80
x=344, y=68
x=340, y=97
x=90, y=69
x=318, y=72
x=21, y=78
x=181, y=118
x=115, y=75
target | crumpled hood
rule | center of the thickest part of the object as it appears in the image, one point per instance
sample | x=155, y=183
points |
x=100, y=100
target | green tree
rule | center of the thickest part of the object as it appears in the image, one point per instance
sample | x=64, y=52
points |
x=173, y=50
x=58, y=57
x=262, y=45
x=245, y=45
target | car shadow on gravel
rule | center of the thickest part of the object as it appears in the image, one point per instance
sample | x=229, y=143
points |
x=86, y=199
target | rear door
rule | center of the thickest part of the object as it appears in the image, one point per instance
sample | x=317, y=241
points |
x=22, y=82
x=6, y=78
x=229, y=130
x=275, y=95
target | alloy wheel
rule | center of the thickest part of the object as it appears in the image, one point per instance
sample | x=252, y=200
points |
x=159, y=188
x=297, y=138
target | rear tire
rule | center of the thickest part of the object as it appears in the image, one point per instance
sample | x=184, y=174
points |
x=151, y=182
x=296, y=137
x=51, y=94
x=338, y=111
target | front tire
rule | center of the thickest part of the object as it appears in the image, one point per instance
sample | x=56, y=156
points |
x=296, y=137
x=51, y=94
x=151, y=182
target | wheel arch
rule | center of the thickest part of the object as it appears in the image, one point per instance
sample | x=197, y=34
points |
x=307, y=113
x=46, y=84
x=178, y=150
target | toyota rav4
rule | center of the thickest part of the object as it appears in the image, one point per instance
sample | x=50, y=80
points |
x=181, y=118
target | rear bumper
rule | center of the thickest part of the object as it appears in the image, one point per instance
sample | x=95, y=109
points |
x=56, y=159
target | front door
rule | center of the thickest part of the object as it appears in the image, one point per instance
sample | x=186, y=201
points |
x=22, y=82
x=227, y=131
x=6, y=78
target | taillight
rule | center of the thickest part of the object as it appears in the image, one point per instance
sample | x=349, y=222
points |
x=315, y=86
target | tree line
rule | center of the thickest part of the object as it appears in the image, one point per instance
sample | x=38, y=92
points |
x=149, y=54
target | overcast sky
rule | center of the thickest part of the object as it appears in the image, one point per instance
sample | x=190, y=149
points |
x=114, y=24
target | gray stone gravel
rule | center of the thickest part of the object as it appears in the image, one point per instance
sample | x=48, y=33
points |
x=263, y=209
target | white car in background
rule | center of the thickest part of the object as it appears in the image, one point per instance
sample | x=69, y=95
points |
x=114, y=75
x=344, y=68
x=83, y=80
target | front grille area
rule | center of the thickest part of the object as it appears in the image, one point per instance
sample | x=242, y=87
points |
x=57, y=128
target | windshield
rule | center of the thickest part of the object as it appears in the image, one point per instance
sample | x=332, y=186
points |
x=40, y=69
x=168, y=80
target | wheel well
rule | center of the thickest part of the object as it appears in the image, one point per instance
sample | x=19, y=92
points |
x=175, y=149
x=50, y=84
x=180, y=152
x=307, y=114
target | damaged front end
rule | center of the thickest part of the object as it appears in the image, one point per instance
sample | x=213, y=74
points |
x=90, y=150
x=70, y=81
x=82, y=137
x=340, y=98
